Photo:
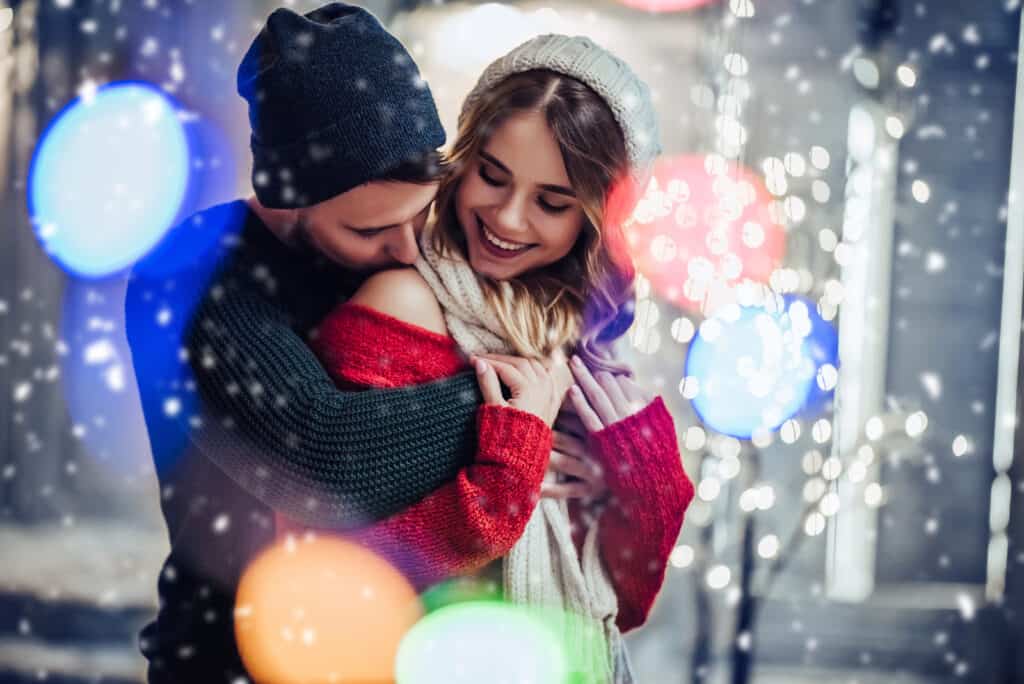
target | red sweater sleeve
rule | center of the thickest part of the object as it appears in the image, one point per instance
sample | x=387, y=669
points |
x=466, y=524
x=363, y=348
x=474, y=519
x=650, y=493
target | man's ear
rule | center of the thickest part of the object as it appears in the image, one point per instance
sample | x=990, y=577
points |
x=294, y=220
x=282, y=222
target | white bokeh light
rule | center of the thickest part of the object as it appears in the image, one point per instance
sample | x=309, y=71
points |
x=682, y=556
x=718, y=577
x=768, y=546
x=814, y=524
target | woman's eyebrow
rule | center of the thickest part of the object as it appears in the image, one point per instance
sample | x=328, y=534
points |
x=494, y=160
x=559, y=189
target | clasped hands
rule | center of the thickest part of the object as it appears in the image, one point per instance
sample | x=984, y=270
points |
x=575, y=401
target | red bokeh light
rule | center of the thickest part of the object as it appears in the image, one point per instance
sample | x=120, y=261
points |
x=701, y=227
x=665, y=5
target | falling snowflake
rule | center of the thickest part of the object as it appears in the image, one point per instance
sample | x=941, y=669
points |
x=221, y=523
x=172, y=406
x=932, y=383
x=22, y=391
x=114, y=377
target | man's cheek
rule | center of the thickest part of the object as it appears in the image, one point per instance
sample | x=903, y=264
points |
x=352, y=254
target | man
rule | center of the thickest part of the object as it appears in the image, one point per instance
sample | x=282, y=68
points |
x=242, y=418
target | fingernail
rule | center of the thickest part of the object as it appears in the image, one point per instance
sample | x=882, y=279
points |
x=577, y=361
x=481, y=367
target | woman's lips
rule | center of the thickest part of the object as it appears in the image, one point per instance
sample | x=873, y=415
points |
x=495, y=250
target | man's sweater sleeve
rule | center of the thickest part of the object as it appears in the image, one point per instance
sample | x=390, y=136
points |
x=274, y=421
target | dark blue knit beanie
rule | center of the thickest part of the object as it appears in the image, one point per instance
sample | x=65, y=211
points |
x=335, y=101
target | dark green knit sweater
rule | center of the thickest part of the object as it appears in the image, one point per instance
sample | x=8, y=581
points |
x=243, y=420
x=325, y=457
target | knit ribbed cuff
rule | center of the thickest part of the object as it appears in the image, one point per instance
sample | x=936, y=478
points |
x=514, y=437
x=640, y=451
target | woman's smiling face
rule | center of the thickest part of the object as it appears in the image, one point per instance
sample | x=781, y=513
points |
x=515, y=203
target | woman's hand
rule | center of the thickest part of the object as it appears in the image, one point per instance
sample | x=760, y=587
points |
x=535, y=387
x=569, y=458
x=594, y=404
x=604, y=399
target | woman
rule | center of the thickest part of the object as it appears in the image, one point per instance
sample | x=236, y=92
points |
x=525, y=263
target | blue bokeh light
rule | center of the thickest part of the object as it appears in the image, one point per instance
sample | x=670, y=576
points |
x=109, y=178
x=751, y=368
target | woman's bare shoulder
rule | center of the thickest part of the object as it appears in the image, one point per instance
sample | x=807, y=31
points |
x=403, y=294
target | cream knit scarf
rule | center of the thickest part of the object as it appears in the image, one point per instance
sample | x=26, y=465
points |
x=543, y=569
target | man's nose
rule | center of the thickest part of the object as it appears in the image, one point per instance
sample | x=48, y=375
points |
x=405, y=247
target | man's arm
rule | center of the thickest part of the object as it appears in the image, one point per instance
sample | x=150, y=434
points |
x=276, y=423
x=269, y=415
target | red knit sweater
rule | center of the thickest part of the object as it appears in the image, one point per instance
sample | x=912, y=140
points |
x=479, y=516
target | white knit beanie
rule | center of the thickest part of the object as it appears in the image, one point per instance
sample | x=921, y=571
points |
x=626, y=95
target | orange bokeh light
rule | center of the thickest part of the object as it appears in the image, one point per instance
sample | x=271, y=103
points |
x=321, y=609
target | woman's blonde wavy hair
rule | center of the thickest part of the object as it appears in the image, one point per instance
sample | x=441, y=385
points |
x=583, y=302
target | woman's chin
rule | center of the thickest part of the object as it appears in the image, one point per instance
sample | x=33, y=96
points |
x=481, y=265
x=482, y=268
x=487, y=266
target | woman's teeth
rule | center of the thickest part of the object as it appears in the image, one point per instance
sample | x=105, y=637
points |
x=498, y=242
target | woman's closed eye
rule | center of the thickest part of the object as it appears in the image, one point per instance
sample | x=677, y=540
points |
x=551, y=208
x=488, y=178
x=542, y=201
